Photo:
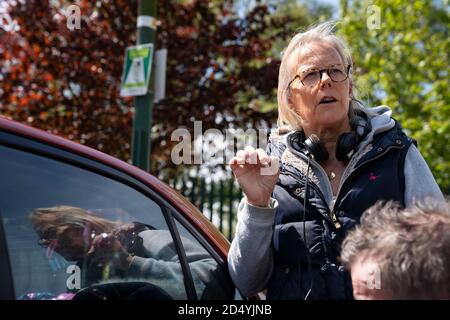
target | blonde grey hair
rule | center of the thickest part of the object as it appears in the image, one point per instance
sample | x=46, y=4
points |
x=410, y=246
x=54, y=217
x=318, y=33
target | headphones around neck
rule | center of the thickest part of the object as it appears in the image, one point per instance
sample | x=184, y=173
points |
x=346, y=145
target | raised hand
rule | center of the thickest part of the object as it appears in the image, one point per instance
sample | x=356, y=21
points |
x=257, y=173
x=107, y=248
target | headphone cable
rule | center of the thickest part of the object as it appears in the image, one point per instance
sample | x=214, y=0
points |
x=304, y=228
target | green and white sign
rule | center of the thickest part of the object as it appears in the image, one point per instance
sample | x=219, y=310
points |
x=136, y=70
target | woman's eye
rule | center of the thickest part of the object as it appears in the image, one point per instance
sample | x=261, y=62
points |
x=337, y=71
x=311, y=74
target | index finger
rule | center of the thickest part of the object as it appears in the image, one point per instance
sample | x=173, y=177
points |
x=264, y=159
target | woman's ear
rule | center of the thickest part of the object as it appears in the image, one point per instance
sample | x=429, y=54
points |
x=289, y=100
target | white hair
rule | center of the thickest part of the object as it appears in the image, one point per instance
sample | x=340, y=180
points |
x=317, y=33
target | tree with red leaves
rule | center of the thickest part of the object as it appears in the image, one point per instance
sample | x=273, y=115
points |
x=220, y=66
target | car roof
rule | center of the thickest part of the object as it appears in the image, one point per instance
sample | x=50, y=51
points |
x=202, y=224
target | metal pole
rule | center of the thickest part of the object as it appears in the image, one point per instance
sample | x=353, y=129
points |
x=142, y=123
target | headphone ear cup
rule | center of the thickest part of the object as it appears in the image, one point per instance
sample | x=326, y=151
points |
x=295, y=140
x=316, y=148
x=345, y=147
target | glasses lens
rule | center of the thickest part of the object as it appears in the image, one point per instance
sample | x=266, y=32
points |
x=337, y=74
x=45, y=236
x=311, y=78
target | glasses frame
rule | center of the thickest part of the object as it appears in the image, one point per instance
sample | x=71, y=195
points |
x=55, y=232
x=321, y=71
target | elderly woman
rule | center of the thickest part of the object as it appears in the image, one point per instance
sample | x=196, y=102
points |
x=330, y=159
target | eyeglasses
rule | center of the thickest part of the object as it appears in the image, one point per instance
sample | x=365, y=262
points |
x=47, y=235
x=310, y=78
x=50, y=234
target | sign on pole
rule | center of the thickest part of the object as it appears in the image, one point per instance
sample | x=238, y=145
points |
x=160, y=74
x=136, y=70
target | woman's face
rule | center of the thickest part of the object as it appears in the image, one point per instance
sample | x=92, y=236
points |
x=71, y=242
x=307, y=100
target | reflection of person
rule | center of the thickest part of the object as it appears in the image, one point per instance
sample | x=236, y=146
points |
x=330, y=159
x=400, y=254
x=107, y=250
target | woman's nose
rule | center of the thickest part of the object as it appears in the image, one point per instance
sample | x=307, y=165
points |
x=324, y=79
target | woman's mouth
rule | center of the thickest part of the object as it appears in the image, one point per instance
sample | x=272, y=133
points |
x=327, y=100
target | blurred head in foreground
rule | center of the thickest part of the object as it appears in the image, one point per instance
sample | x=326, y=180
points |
x=400, y=253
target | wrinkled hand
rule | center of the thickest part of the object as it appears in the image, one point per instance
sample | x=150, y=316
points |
x=107, y=248
x=256, y=173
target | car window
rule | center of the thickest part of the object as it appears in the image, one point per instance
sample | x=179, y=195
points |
x=75, y=234
x=213, y=279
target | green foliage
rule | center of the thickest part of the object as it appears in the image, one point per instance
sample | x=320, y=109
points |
x=404, y=64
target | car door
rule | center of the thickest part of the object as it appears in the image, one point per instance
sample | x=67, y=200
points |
x=73, y=227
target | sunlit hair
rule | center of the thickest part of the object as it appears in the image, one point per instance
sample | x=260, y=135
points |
x=45, y=218
x=411, y=248
x=322, y=33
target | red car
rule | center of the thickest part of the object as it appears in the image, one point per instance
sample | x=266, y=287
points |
x=76, y=223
